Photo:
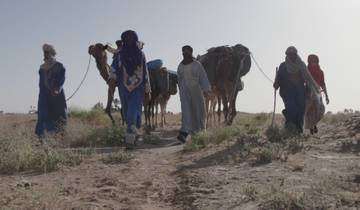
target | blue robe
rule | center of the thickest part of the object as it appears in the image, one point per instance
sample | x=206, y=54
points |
x=131, y=100
x=292, y=91
x=51, y=108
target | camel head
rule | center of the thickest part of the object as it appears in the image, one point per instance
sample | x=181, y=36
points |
x=98, y=52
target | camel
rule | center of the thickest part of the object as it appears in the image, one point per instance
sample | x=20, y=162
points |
x=163, y=98
x=225, y=66
x=163, y=85
x=99, y=53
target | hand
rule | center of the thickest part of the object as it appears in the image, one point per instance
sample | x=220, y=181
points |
x=276, y=85
x=327, y=100
x=112, y=77
x=55, y=93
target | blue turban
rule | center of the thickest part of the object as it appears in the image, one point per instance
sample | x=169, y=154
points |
x=130, y=54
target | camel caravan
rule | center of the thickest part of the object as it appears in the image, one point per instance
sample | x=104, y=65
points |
x=208, y=86
x=224, y=65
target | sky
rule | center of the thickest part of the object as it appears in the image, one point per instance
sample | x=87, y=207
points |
x=328, y=28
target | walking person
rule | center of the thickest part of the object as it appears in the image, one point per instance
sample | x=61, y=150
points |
x=129, y=64
x=193, y=85
x=315, y=108
x=291, y=79
x=51, y=101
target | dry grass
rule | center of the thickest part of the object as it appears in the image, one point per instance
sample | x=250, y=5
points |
x=256, y=143
x=20, y=149
x=19, y=152
x=117, y=157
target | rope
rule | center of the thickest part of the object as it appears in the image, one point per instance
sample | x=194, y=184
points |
x=270, y=80
x=273, y=114
x=82, y=81
x=258, y=66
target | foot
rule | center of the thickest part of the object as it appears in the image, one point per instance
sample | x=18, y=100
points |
x=181, y=138
x=130, y=141
x=315, y=129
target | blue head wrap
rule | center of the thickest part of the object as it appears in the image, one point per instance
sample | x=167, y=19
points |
x=130, y=54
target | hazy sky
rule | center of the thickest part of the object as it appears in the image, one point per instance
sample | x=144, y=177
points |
x=329, y=28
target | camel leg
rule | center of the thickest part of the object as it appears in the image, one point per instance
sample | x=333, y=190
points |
x=232, y=112
x=225, y=105
x=219, y=109
x=111, y=91
x=146, y=113
x=156, y=114
x=162, y=110
x=153, y=115
x=212, y=110
x=207, y=101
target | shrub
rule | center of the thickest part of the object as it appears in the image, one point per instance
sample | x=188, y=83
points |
x=116, y=158
x=197, y=141
x=152, y=139
x=250, y=191
x=108, y=136
x=263, y=156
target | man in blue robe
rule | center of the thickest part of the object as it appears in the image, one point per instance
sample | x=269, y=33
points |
x=51, y=102
x=129, y=64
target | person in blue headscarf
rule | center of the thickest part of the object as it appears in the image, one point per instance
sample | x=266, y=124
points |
x=129, y=64
x=51, y=102
x=291, y=82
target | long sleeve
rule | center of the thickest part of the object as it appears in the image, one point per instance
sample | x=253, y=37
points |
x=61, y=80
x=57, y=77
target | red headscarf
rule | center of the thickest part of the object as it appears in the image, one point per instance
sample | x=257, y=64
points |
x=315, y=70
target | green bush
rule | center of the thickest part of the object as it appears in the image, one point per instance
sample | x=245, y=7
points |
x=197, y=141
x=263, y=156
x=108, y=136
x=152, y=139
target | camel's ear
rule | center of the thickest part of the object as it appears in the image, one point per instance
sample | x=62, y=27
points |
x=91, y=49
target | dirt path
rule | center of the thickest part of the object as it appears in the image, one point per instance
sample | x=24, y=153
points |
x=143, y=183
x=320, y=176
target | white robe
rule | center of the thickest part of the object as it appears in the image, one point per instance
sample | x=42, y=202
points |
x=193, y=82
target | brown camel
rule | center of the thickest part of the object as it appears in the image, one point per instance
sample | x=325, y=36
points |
x=225, y=66
x=99, y=53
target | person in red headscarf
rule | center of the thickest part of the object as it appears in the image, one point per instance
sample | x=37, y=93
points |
x=314, y=106
x=317, y=74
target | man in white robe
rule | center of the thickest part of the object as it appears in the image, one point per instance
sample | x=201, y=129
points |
x=193, y=85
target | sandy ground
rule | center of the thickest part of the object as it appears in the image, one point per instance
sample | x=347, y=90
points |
x=324, y=175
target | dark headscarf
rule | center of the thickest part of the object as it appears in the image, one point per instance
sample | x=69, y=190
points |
x=130, y=54
x=187, y=47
